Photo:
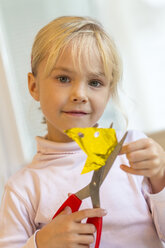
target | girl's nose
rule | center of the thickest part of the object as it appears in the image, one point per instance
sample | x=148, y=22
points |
x=79, y=95
x=79, y=99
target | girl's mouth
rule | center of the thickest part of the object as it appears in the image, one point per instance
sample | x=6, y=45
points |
x=75, y=113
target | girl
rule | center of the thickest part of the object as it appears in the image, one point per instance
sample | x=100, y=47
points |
x=75, y=71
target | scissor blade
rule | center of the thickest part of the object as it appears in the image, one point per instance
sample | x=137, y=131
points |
x=94, y=187
x=112, y=158
x=103, y=171
x=111, y=125
x=83, y=193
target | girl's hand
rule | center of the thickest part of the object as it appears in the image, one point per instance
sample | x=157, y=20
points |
x=147, y=158
x=66, y=230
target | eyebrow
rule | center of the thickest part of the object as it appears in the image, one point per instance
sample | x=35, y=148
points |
x=66, y=69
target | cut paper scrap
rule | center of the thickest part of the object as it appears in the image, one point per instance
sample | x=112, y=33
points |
x=97, y=143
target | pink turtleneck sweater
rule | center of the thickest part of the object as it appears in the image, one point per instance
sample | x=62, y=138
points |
x=135, y=219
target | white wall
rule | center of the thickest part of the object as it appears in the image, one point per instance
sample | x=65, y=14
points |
x=138, y=28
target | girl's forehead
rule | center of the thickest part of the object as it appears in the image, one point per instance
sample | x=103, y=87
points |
x=81, y=58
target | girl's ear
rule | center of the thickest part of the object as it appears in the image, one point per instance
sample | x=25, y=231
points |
x=33, y=86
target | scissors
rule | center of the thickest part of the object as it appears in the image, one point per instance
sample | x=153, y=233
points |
x=92, y=190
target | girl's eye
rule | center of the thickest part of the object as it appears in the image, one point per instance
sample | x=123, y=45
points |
x=63, y=79
x=95, y=83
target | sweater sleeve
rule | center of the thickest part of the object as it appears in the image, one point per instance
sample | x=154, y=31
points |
x=157, y=206
x=16, y=227
x=156, y=202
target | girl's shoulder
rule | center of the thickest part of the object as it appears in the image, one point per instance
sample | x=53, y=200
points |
x=15, y=192
x=21, y=184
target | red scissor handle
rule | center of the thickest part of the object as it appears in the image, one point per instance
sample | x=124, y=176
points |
x=97, y=221
x=73, y=202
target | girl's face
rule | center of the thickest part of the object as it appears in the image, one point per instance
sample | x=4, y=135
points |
x=70, y=97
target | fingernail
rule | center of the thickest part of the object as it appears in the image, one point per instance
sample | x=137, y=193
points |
x=104, y=211
x=68, y=210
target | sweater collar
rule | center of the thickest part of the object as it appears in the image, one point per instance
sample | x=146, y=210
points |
x=46, y=146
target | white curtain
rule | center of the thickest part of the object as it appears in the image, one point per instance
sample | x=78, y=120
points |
x=11, y=150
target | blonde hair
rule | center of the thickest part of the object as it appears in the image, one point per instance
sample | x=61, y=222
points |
x=81, y=33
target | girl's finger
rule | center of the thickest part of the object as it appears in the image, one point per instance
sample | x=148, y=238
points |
x=88, y=213
x=81, y=246
x=67, y=210
x=143, y=172
x=141, y=155
x=136, y=145
x=84, y=228
x=86, y=239
x=146, y=164
x=83, y=239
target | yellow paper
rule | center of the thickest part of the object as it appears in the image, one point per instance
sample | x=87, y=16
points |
x=97, y=143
